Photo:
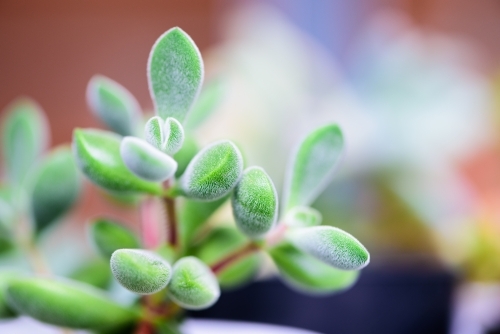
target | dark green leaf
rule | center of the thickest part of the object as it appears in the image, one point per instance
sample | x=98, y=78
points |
x=107, y=236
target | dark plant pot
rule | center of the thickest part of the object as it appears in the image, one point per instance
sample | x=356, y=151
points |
x=412, y=299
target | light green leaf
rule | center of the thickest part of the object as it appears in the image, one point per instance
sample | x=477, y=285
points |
x=221, y=242
x=98, y=156
x=332, y=246
x=5, y=310
x=113, y=104
x=140, y=271
x=193, y=214
x=303, y=216
x=193, y=285
x=107, y=236
x=309, y=275
x=185, y=155
x=313, y=166
x=145, y=161
x=175, y=73
x=56, y=188
x=25, y=135
x=255, y=203
x=154, y=132
x=95, y=272
x=67, y=304
x=175, y=137
x=213, y=172
x=210, y=98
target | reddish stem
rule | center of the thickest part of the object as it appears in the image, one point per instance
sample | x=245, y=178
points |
x=242, y=252
x=145, y=328
x=171, y=220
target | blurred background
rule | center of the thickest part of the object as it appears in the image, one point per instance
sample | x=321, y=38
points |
x=414, y=84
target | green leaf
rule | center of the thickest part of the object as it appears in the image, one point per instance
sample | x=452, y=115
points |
x=193, y=214
x=332, y=246
x=5, y=310
x=303, y=216
x=7, y=213
x=175, y=137
x=193, y=285
x=113, y=104
x=146, y=161
x=221, y=242
x=98, y=156
x=309, y=275
x=140, y=271
x=185, y=155
x=56, y=188
x=95, y=272
x=107, y=236
x=154, y=132
x=213, y=172
x=313, y=166
x=25, y=136
x=210, y=98
x=255, y=203
x=175, y=73
x=67, y=304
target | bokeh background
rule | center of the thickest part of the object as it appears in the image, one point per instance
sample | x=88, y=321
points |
x=414, y=84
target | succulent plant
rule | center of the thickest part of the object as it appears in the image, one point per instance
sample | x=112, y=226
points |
x=185, y=268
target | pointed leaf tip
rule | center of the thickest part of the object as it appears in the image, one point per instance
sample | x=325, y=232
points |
x=332, y=246
x=140, y=271
x=175, y=74
x=255, y=203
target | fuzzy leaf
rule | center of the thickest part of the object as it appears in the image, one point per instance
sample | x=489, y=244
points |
x=140, y=271
x=309, y=275
x=210, y=98
x=145, y=161
x=193, y=214
x=213, y=172
x=98, y=156
x=193, y=285
x=154, y=132
x=95, y=272
x=332, y=246
x=66, y=304
x=107, y=236
x=175, y=138
x=25, y=136
x=313, y=166
x=185, y=155
x=255, y=203
x=221, y=242
x=56, y=188
x=175, y=73
x=303, y=216
x=113, y=104
x=5, y=310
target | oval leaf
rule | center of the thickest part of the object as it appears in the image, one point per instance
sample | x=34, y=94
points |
x=175, y=138
x=221, y=242
x=303, y=216
x=332, y=246
x=25, y=135
x=113, y=104
x=309, y=275
x=66, y=304
x=175, y=74
x=140, y=271
x=56, y=188
x=313, y=166
x=213, y=172
x=154, y=132
x=193, y=285
x=255, y=203
x=98, y=156
x=145, y=161
x=108, y=236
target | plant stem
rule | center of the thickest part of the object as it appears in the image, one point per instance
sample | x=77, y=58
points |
x=36, y=259
x=233, y=257
x=171, y=219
